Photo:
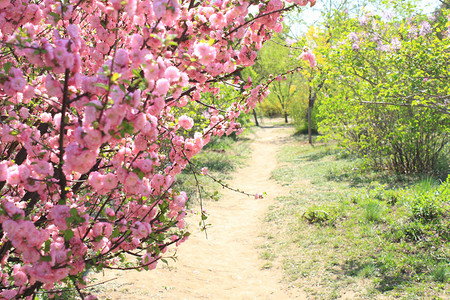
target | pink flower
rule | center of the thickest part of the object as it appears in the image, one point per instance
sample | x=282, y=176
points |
x=17, y=82
x=157, y=181
x=218, y=20
x=121, y=57
x=46, y=117
x=42, y=167
x=166, y=10
x=186, y=122
x=20, y=278
x=308, y=55
x=149, y=261
x=205, y=170
x=110, y=212
x=59, y=214
x=95, y=180
x=92, y=138
x=145, y=165
x=172, y=74
x=13, y=176
x=4, y=3
x=3, y=171
x=109, y=181
x=259, y=196
x=132, y=183
x=8, y=294
x=204, y=52
x=180, y=200
x=162, y=86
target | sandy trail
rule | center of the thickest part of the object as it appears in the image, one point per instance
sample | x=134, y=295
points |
x=227, y=264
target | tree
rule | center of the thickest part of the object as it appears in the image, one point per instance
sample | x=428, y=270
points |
x=93, y=130
x=390, y=102
x=274, y=59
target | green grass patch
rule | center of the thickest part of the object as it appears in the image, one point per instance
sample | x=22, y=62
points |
x=347, y=230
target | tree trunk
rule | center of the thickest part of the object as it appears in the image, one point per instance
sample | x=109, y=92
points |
x=256, y=118
x=285, y=117
x=309, y=126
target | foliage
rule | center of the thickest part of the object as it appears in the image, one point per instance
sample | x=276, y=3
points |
x=276, y=58
x=382, y=242
x=389, y=99
x=323, y=215
x=97, y=108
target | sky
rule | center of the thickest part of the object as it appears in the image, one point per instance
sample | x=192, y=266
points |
x=310, y=16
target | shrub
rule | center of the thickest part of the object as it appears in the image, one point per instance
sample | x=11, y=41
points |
x=323, y=215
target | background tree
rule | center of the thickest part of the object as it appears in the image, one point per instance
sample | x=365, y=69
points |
x=391, y=101
x=275, y=58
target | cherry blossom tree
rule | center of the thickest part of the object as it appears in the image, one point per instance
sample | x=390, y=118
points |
x=93, y=130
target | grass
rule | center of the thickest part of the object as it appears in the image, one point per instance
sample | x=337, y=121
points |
x=347, y=231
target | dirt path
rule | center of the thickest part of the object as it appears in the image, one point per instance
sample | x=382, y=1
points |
x=227, y=264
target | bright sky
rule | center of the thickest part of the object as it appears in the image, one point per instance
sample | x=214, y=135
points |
x=312, y=15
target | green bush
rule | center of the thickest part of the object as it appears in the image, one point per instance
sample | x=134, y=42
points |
x=378, y=106
x=323, y=215
x=373, y=211
x=432, y=205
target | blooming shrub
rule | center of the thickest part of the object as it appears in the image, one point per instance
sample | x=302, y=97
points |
x=90, y=140
x=389, y=101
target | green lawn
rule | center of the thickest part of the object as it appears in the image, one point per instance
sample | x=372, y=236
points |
x=347, y=231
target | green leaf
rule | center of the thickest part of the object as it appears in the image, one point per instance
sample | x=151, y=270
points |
x=47, y=245
x=46, y=258
x=74, y=212
x=126, y=128
x=94, y=105
x=68, y=234
x=115, y=76
x=7, y=66
x=56, y=16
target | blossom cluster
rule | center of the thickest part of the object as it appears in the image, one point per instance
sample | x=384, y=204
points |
x=377, y=33
x=94, y=128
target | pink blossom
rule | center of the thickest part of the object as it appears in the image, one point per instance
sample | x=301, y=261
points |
x=157, y=181
x=3, y=171
x=205, y=170
x=217, y=20
x=4, y=3
x=259, y=196
x=309, y=56
x=20, y=278
x=145, y=165
x=186, y=122
x=172, y=74
x=13, y=176
x=8, y=294
x=110, y=212
x=109, y=181
x=121, y=58
x=162, y=86
x=205, y=53
x=59, y=215
x=149, y=261
x=17, y=82
x=112, y=85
